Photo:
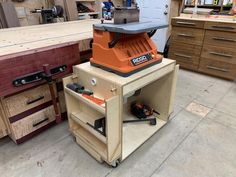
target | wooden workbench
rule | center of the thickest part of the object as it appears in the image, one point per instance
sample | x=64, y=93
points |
x=26, y=109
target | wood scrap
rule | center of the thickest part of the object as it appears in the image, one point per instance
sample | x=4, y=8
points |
x=200, y=11
x=8, y=15
x=71, y=9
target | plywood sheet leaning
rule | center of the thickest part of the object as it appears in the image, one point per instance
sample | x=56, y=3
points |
x=71, y=10
x=8, y=12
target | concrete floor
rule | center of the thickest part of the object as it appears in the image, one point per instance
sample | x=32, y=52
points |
x=190, y=145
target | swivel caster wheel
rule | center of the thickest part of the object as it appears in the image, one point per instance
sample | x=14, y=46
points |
x=115, y=164
x=74, y=138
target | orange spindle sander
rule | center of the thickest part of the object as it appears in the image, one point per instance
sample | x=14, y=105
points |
x=125, y=48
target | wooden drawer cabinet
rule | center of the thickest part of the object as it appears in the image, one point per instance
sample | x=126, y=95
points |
x=188, y=35
x=188, y=23
x=206, y=46
x=219, y=54
x=218, y=68
x=220, y=38
x=26, y=100
x=221, y=26
x=31, y=123
x=186, y=58
x=30, y=112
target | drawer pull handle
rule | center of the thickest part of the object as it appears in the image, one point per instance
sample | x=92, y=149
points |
x=186, y=35
x=35, y=100
x=218, y=69
x=40, y=122
x=182, y=55
x=186, y=23
x=224, y=27
x=223, y=39
x=221, y=54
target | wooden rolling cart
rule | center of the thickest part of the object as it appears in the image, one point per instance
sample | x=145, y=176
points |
x=154, y=86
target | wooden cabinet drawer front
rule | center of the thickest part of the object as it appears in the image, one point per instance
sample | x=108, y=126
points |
x=219, y=54
x=188, y=23
x=220, y=38
x=33, y=122
x=185, y=53
x=221, y=26
x=189, y=66
x=26, y=100
x=188, y=35
x=218, y=68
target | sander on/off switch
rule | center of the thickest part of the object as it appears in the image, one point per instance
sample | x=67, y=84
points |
x=125, y=48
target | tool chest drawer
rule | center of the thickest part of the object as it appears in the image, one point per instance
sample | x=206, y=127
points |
x=220, y=38
x=187, y=35
x=221, y=26
x=219, y=54
x=187, y=23
x=218, y=68
x=32, y=123
x=186, y=55
x=26, y=100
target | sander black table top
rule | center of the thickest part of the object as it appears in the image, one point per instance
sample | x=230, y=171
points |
x=130, y=28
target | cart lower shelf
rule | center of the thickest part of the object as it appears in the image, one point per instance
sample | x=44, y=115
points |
x=134, y=135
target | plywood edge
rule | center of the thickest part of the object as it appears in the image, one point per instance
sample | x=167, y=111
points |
x=173, y=89
x=113, y=128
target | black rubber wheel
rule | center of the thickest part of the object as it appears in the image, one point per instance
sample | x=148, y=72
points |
x=116, y=165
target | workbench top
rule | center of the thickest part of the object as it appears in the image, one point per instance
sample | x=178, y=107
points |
x=210, y=18
x=23, y=39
